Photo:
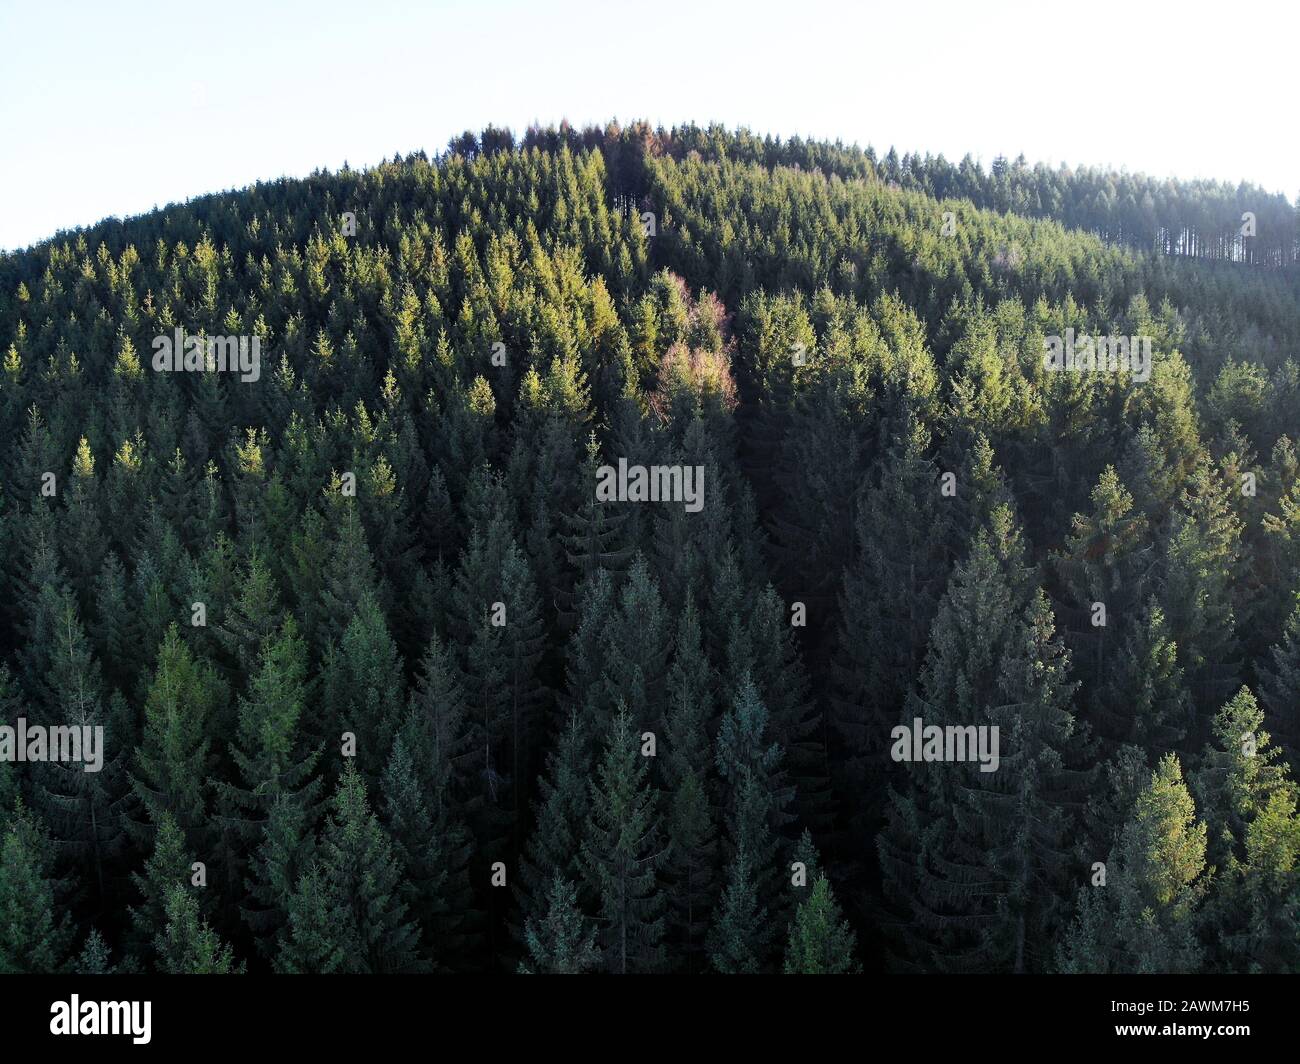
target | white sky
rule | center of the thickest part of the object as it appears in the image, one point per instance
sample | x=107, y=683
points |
x=113, y=108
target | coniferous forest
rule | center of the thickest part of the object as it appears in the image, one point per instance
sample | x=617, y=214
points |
x=620, y=547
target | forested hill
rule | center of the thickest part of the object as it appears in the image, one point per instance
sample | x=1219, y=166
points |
x=390, y=681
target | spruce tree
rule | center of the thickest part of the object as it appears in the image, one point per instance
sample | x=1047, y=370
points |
x=692, y=817
x=887, y=604
x=168, y=866
x=175, y=757
x=974, y=860
x=523, y=641
x=554, y=847
x=636, y=646
x=563, y=940
x=1204, y=575
x=740, y=937
x=1279, y=687
x=362, y=911
x=84, y=810
x=621, y=850
x=282, y=856
x=1107, y=568
x=364, y=689
x=1249, y=799
x=756, y=813
x=594, y=537
x=187, y=945
x=1143, y=919
x=275, y=765
x=429, y=848
x=821, y=941
x=34, y=938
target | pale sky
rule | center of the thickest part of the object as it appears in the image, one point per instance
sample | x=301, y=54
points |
x=114, y=108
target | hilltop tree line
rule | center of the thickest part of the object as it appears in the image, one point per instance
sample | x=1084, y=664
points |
x=1201, y=219
x=386, y=686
